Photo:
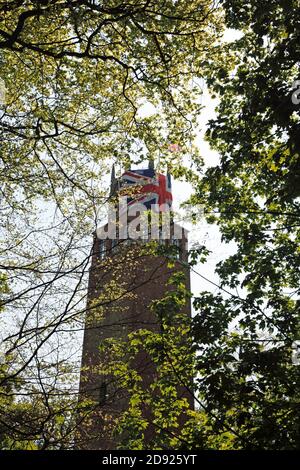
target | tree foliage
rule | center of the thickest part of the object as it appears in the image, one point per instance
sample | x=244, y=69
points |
x=80, y=78
x=247, y=386
x=248, y=330
x=159, y=407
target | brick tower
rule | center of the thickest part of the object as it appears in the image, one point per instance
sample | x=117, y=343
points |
x=124, y=279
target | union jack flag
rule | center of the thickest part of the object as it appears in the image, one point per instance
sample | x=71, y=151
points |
x=153, y=188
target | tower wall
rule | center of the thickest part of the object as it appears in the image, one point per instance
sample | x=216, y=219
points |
x=137, y=278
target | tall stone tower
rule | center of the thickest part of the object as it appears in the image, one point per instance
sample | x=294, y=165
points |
x=124, y=279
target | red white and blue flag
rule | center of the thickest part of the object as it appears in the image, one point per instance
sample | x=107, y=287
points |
x=153, y=188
